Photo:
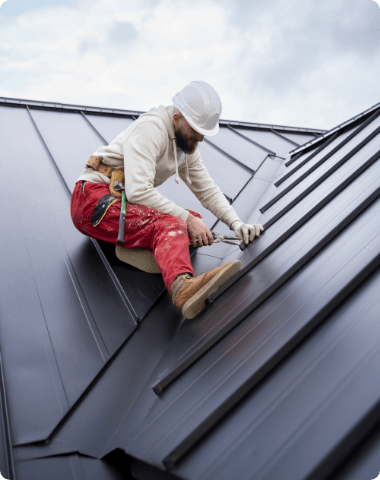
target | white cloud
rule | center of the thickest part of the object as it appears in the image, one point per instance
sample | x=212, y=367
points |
x=292, y=64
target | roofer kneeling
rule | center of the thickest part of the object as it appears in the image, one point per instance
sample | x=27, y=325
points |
x=159, y=144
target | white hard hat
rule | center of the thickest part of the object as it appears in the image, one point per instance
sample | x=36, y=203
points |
x=201, y=106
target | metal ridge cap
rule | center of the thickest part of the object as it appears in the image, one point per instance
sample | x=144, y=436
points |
x=268, y=126
x=335, y=129
x=39, y=103
x=65, y=106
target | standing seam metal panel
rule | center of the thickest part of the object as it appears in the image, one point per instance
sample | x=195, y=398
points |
x=311, y=411
x=46, y=196
x=344, y=149
x=164, y=433
x=365, y=183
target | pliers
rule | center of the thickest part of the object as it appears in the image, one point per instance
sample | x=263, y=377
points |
x=218, y=237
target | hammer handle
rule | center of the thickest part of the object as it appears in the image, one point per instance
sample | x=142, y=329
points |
x=120, y=238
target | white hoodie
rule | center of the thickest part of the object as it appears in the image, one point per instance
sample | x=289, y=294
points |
x=148, y=152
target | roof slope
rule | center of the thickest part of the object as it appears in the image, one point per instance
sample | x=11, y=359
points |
x=276, y=378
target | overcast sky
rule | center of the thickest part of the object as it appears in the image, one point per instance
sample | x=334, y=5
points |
x=288, y=62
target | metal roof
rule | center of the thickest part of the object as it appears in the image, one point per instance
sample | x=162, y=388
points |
x=276, y=378
x=357, y=119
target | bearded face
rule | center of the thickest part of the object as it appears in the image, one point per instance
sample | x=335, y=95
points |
x=186, y=137
x=185, y=144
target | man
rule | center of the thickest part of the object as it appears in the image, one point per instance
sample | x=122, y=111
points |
x=161, y=143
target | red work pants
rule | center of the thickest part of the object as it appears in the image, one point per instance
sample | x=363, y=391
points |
x=164, y=235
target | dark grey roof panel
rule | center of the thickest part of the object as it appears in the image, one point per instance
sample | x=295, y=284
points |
x=270, y=250
x=310, y=204
x=143, y=471
x=143, y=289
x=320, y=400
x=66, y=467
x=269, y=140
x=301, y=158
x=94, y=424
x=241, y=360
x=239, y=148
x=330, y=171
x=57, y=331
x=205, y=260
x=285, y=168
x=363, y=461
x=300, y=139
x=109, y=127
x=70, y=140
x=6, y=452
x=89, y=386
x=298, y=170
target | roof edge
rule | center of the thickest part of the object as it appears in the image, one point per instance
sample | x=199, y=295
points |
x=335, y=129
x=120, y=112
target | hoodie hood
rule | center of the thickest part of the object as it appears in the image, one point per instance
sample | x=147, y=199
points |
x=166, y=115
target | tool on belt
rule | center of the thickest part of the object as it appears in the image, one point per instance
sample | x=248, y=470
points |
x=119, y=187
x=115, y=175
x=117, y=190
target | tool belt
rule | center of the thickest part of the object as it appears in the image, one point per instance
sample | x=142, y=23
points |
x=116, y=174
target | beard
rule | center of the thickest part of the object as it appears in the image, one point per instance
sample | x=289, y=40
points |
x=183, y=145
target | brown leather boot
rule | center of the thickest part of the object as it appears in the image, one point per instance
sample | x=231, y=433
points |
x=189, y=293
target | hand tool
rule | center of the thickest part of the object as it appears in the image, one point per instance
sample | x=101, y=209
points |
x=218, y=237
x=119, y=186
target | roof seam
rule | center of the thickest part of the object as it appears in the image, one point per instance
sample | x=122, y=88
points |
x=301, y=164
x=94, y=129
x=285, y=138
x=250, y=170
x=7, y=428
x=251, y=141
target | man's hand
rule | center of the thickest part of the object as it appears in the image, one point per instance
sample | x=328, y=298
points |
x=246, y=231
x=198, y=231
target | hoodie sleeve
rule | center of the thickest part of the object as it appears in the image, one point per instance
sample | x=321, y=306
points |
x=205, y=189
x=141, y=149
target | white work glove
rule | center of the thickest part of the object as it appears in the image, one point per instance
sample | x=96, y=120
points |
x=246, y=231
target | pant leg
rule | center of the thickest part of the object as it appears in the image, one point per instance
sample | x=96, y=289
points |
x=163, y=234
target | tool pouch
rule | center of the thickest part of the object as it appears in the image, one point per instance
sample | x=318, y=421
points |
x=101, y=209
x=96, y=164
x=117, y=175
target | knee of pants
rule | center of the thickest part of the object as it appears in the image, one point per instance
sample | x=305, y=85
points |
x=166, y=222
x=176, y=222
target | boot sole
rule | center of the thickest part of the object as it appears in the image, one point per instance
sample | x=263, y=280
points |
x=197, y=302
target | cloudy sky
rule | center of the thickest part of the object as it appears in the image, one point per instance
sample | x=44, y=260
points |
x=289, y=62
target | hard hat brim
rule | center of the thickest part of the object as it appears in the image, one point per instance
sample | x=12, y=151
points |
x=202, y=131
